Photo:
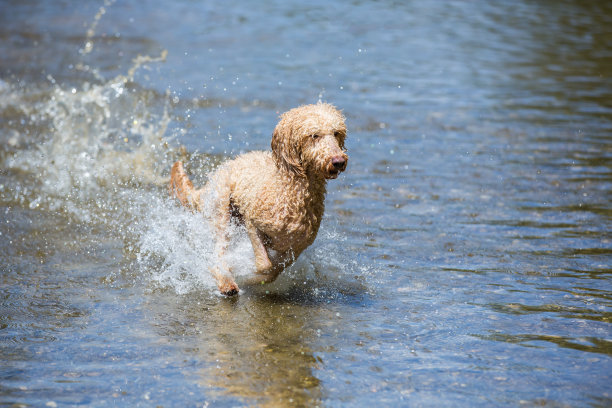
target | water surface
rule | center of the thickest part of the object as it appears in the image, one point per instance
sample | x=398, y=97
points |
x=465, y=255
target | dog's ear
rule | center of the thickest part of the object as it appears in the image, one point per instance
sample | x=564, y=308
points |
x=286, y=150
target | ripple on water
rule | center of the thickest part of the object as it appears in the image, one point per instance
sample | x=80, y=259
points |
x=464, y=259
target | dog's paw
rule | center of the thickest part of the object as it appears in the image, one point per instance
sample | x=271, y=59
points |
x=229, y=288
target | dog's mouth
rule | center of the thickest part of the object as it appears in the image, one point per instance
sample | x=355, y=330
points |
x=333, y=172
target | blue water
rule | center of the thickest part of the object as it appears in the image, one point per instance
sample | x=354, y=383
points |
x=465, y=255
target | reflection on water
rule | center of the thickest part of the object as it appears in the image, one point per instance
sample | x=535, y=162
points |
x=465, y=255
x=257, y=349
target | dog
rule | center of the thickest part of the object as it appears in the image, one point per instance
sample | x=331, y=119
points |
x=278, y=195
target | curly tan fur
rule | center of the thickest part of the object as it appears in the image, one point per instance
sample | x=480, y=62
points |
x=278, y=195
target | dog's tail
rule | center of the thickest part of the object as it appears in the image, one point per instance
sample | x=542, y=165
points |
x=181, y=187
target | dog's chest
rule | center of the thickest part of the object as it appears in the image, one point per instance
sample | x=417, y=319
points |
x=292, y=223
x=285, y=209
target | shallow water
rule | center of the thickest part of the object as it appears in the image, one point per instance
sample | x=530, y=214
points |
x=465, y=255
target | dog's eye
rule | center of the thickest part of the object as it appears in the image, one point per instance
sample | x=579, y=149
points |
x=315, y=136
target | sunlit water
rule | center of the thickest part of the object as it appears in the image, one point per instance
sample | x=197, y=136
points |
x=465, y=255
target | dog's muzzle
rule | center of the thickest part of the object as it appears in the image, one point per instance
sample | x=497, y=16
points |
x=336, y=166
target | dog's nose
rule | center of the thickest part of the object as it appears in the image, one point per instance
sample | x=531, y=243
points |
x=338, y=162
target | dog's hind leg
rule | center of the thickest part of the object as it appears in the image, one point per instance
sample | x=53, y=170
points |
x=182, y=188
x=219, y=193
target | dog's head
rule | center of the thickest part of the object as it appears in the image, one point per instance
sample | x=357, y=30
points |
x=309, y=140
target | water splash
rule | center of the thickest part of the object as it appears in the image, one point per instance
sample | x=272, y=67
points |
x=178, y=246
x=93, y=140
x=91, y=32
x=101, y=156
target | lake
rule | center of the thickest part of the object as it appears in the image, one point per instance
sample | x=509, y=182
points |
x=465, y=256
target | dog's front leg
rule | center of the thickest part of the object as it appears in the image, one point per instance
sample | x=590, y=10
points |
x=262, y=261
x=277, y=264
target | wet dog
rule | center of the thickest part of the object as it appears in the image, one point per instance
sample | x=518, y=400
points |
x=278, y=196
